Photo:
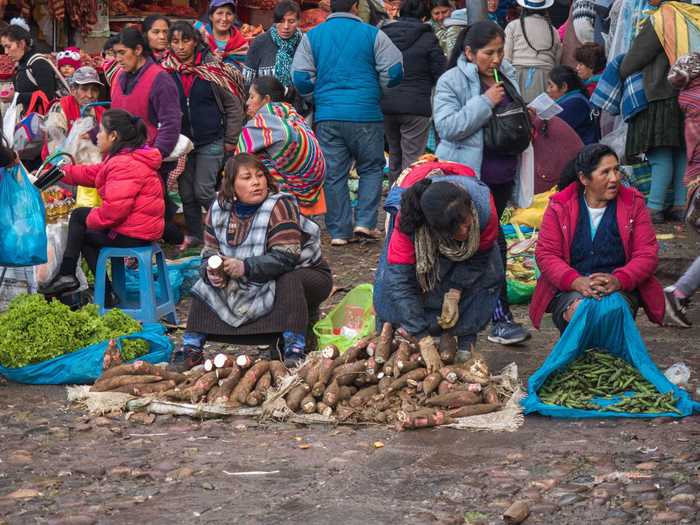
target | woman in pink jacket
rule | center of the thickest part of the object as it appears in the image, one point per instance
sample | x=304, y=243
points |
x=596, y=239
x=131, y=213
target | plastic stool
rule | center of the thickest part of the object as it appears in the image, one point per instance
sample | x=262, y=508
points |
x=146, y=305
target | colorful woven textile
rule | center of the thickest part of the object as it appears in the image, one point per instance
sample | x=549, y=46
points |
x=284, y=141
x=677, y=25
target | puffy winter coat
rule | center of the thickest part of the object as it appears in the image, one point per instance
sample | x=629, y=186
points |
x=460, y=112
x=423, y=63
x=638, y=238
x=131, y=192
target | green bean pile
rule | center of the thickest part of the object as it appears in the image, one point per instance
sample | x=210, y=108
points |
x=599, y=374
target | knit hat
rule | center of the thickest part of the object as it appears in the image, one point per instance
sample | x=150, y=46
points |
x=7, y=68
x=70, y=56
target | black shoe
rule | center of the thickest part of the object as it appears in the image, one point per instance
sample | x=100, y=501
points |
x=676, y=308
x=186, y=358
x=658, y=217
x=675, y=214
x=60, y=284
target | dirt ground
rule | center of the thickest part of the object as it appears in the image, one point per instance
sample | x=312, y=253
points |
x=59, y=466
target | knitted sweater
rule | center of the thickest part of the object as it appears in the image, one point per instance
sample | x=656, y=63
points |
x=542, y=36
x=583, y=18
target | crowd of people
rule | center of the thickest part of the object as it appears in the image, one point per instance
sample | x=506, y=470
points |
x=260, y=139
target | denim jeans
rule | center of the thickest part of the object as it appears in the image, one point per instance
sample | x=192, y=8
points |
x=690, y=281
x=341, y=143
x=197, y=184
x=667, y=169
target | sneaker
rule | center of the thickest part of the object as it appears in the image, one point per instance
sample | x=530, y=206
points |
x=367, y=234
x=675, y=214
x=339, y=242
x=60, y=284
x=676, y=308
x=186, y=358
x=508, y=333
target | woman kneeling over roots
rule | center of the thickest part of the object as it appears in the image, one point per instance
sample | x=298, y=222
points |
x=262, y=270
x=596, y=239
x=441, y=269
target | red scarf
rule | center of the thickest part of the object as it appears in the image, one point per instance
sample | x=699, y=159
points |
x=237, y=44
x=218, y=72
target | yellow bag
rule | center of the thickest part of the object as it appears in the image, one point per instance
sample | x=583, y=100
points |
x=87, y=198
x=532, y=216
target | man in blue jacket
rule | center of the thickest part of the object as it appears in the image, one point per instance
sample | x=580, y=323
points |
x=344, y=64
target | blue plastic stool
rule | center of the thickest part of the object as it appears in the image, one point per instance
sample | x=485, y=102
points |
x=146, y=305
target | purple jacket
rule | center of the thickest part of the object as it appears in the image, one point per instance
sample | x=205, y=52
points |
x=163, y=105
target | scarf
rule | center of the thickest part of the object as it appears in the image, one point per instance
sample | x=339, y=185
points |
x=285, y=55
x=678, y=27
x=216, y=71
x=430, y=245
x=236, y=47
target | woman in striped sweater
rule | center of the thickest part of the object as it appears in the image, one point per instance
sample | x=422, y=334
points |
x=285, y=143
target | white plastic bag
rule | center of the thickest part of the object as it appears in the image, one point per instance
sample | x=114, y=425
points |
x=678, y=374
x=9, y=121
x=617, y=139
x=183, y=147
x=57, y=237
x=524, y=191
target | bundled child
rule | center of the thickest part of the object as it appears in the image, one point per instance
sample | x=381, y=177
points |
x=68, y=61
x=590, y=64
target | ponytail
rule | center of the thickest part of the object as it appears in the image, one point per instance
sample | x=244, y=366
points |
x=131, y=130
x=270, y=86
x=475, y=37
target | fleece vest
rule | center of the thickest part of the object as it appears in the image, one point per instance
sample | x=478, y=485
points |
x=136, y=102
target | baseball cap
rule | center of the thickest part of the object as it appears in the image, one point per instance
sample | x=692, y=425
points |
x=215, y=4
x=86, y=75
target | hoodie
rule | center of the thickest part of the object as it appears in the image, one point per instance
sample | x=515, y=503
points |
x=131, y=193
x=423, y=61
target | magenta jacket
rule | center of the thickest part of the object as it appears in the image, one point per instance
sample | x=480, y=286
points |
x=553, y=252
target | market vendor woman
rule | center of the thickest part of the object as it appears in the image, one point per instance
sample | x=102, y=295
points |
x=273, y=277
x=596, y=239
x=441, y=270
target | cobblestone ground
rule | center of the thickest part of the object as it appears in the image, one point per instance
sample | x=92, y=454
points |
x=59, y=466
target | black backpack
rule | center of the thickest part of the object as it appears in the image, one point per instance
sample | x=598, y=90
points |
x=509, y=130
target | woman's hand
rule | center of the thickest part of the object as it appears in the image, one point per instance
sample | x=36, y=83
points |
x=496, y=93
x=584, y=286
x=234, y=267
x=605, y=283
x=215, y=279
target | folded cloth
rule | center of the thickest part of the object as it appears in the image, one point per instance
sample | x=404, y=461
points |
x=614, y=96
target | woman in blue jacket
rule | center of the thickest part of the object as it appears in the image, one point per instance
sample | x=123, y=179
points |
x=567, y=89
x=465, y=99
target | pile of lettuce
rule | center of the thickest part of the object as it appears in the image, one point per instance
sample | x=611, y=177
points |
x=34, y=330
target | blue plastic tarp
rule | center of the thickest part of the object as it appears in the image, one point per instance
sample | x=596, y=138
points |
x=84, y=366
x=603, y=324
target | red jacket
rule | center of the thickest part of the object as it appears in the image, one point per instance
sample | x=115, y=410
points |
x=553, y=252
x=131, y=192
x=401, y=249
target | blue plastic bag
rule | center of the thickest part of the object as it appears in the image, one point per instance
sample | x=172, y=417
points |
x=22, y=220
x=606, y=324
x=84, y=366
x=182, y=273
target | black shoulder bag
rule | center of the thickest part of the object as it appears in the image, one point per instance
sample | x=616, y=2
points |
x=509, y=130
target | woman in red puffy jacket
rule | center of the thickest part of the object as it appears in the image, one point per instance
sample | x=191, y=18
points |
x=132, y=209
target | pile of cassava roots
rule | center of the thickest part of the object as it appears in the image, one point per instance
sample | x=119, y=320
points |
x=380, y=379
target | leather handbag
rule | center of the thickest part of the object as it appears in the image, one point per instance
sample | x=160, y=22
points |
x=509, y=130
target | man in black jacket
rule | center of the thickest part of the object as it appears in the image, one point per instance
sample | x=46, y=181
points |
x=407, y=109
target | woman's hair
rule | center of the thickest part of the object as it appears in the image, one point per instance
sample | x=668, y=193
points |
x=132, y=38
x=284, y=7
x=441, y=205
x=109, y=43
x=585, y=163
x=441, y=3
x=561, y=75
x=412, y=9
x=131, y=130
x=591, y=55
x=530, y=12
x=273, y=88
x=475, y=37
x=233, y=166
x=152, y=19
x=186, y=30
x=15, y=33
x=7, y=154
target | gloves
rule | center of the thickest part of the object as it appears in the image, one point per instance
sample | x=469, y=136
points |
x=430, y=354
x=450, y=309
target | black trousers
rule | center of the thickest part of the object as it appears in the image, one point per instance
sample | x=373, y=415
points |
x=501, y=195
x=172, y=234
x=86, y=242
